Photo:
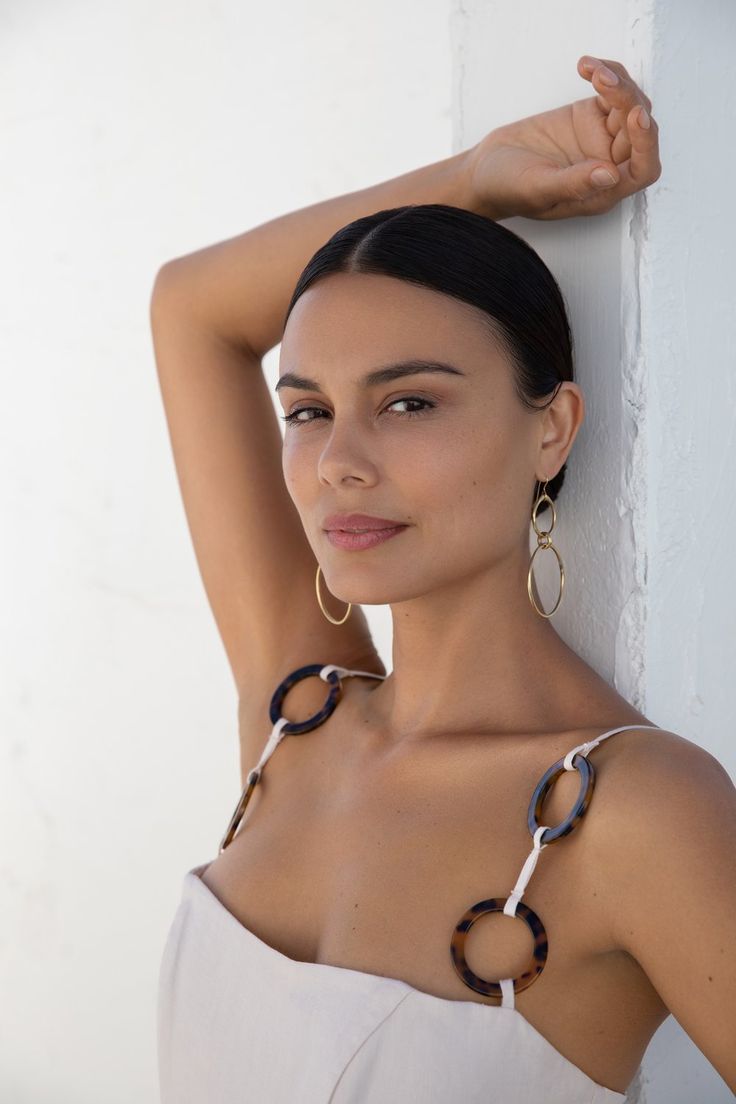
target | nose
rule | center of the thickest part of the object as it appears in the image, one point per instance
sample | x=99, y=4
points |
x=345, y=457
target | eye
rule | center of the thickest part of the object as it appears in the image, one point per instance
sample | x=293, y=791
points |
x=294, y=419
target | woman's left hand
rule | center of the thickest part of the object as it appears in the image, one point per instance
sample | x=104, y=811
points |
x=543, y=166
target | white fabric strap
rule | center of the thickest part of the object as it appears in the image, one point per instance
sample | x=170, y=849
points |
x=507, y=993
x=583, y=749
x=273, y=741
x=346, y=671
x=509, y=909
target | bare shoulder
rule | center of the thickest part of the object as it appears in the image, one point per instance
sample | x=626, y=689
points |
x=666, y=863
x=657, y=784
x=650, y=774
x=666, y=822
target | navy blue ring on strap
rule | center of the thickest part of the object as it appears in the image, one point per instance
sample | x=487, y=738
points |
x=291, y=680
x=587, y=782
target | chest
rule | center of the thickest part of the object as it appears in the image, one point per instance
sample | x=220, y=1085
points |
x=360, y=858
x=368, y=861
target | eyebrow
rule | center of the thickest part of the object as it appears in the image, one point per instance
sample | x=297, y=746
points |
x=380, y=375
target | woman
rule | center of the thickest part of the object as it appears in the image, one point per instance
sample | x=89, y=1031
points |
x=427, y=388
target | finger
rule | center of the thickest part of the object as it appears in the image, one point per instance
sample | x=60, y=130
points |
x=624, y=98
x=624, y=74
x=621, y=144
x=643, y=166
x=586, y=68
x=614, y=124
x=586, y=64
x=612, y=92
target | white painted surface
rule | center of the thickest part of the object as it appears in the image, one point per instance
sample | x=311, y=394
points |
x=689, y=292
x=137, y=132
x=646, y=525
x=503, y=58
x=688, y=296
x=133, y=133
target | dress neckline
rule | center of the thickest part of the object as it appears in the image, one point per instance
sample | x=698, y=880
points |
x=194, y=878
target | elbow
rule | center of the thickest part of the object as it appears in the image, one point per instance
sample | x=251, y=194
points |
x=167, y=291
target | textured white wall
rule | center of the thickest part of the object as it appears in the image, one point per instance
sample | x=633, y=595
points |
x=133, y=133
x=688, y=291
x=525, y=56
x=646, y=525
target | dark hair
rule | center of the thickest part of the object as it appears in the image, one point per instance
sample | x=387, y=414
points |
x=476, y=260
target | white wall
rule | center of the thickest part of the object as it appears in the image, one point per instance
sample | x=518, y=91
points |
x=688, y=295
x=503, y=58
x=689, y=292
x=133, y=133
x=136, y=132
x=646, y=525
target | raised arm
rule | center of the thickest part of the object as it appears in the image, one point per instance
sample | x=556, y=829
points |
x=217, y=311
x=214, y=313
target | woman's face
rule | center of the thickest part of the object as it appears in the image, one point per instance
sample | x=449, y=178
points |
x=452, y=455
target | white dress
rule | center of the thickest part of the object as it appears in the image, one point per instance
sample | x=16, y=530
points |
x=238, y=1021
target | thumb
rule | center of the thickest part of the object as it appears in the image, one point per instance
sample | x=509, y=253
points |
x=576, y=182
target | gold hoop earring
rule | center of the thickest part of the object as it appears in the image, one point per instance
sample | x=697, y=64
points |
x=544, y=540
x=319, y=599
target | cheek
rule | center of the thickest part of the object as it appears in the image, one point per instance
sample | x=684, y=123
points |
x=297, y=468
x=475, y=487
x=300, y=489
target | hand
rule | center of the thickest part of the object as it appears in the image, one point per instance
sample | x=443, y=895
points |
x=542, y=166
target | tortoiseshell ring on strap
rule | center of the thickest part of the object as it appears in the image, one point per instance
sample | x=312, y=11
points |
x=548, y=779
x=497, y=904
x=457, y=947
x=291, y=680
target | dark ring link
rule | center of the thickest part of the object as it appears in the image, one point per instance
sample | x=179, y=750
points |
x=457, y=947
x=240, y=808
x=277, y=700
x=321, y=715
x=587, y=782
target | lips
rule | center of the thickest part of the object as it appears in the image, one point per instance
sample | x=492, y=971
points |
x=349, y=522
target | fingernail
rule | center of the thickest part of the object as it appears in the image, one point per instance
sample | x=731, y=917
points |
x=643, y=118
x=590, y=63
x=607, y=75
x=602, y=178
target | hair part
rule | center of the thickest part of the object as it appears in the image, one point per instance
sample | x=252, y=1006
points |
x=477, y=261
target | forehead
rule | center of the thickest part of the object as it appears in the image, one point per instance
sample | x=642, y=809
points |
x=361, y=318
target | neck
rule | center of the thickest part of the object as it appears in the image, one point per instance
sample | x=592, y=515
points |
x=475, y=656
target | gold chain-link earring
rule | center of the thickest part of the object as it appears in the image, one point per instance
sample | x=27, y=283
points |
x=544, y=540
x=319, y=599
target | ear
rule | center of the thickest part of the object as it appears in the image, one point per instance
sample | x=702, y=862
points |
x=559, y=427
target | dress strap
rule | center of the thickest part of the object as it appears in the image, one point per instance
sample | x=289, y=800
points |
x=583, y=749
x=330, y=673
x=542, y=836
